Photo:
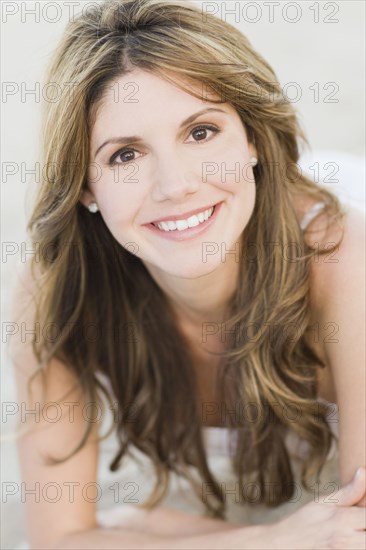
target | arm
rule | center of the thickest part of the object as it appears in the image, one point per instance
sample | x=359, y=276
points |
x=170, y=522
x=340, y=291
x=234, y=539
x=160, y=520
x=60, y=507
x=312, y=526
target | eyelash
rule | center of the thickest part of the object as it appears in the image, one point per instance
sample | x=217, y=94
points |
x=211, y=127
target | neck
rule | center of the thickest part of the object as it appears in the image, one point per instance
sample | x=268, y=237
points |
x=200, y=302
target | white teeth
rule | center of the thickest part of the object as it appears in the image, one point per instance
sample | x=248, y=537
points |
x=193, y=221
x=180, y=225
x=164, y=226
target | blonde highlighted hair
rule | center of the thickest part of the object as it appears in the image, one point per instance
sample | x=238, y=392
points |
x=99, y=281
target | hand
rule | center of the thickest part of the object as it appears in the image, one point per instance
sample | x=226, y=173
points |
x=340, y=525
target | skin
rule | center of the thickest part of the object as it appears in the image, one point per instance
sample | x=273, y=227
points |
x=198, y=289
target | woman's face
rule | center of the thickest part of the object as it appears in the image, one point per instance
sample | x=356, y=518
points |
x=170, y=167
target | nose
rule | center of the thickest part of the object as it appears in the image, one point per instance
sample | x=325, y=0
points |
x=174, y=179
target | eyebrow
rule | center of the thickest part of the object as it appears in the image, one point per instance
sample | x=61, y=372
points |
x=128, y=139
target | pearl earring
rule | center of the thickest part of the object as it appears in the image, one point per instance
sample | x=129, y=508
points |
x=254, y=161
x=93, y=207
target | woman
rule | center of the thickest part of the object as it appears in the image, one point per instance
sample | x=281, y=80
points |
x=182, y=274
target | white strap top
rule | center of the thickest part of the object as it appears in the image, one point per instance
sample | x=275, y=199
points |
x=217, y=438
x=310, y=214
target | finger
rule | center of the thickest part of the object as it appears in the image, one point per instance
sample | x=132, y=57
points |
x=354, y=491
x=362, y=502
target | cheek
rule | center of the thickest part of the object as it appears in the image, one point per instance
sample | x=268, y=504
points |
x=119, y=215
x=119, y=200
x=233, y=171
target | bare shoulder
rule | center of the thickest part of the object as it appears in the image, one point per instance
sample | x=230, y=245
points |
x=338, y=283
x=337, y=295
x=332, y=273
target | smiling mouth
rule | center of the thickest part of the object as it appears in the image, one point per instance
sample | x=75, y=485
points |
x=182, y=225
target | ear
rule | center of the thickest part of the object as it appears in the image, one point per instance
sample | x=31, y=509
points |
x=252, y=150
x=86, y=198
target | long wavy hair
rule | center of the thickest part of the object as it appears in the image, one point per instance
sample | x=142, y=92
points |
x=97, y=282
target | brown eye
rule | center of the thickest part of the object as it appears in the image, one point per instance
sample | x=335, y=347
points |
x=200, y=132
x=125, y=155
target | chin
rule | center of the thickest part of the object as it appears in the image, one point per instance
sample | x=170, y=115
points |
x=193, y=270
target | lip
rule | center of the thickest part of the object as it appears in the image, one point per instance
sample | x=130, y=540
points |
x=188, y=233
x=182, y=216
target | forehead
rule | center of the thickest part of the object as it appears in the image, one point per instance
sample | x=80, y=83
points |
x=140, y=94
